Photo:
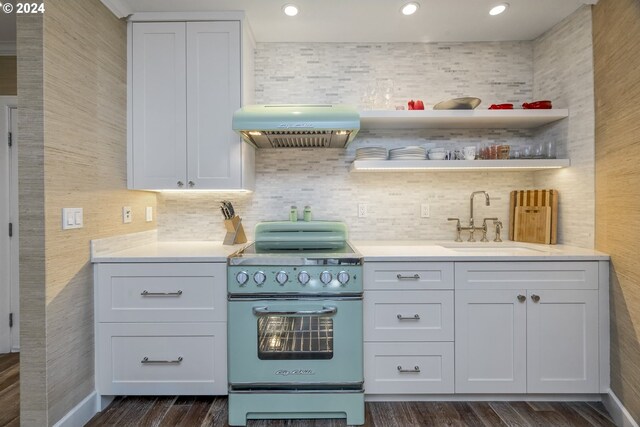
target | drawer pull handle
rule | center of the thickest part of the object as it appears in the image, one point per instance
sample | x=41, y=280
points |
x=522, y=298
x=535, y=298
x=146, y=361
x=146, y=293
x=414, y=317
x=415, y=370
x=414, y=277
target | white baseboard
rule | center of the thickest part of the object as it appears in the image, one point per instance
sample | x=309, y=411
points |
x=482, y=397
x=618, y=412
x=82, y=412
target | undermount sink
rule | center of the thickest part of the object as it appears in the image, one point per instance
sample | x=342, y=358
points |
x=472, y=247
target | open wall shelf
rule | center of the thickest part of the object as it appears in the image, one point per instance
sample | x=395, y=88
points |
x=457, y=165
x=459, y=119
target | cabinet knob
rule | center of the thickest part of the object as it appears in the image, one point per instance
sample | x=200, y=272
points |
x=535, y=298
x=522, y=298
x=192, y=184
x=180, y=184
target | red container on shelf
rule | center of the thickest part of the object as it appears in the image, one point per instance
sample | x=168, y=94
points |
x=537, y=105
x=501, y=107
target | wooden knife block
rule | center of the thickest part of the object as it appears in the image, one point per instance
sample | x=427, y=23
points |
x=235, y=231
x=533, y=216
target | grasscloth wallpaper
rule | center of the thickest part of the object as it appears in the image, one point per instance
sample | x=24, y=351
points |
x=77, y=158
x=616, y=31
x=344, y=73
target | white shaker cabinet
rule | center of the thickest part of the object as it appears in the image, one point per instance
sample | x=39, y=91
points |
x=491, y=342
x=519, y=331
x=562, y=337
x=185, y=83
x=161, y=328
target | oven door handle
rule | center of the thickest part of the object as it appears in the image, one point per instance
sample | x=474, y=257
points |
x=325, y=311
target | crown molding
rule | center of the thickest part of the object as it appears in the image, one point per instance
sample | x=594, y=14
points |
x=119, y=8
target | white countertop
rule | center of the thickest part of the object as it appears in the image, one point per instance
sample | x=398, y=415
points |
x=175, y=251
x=208, y=251
x=451, y=251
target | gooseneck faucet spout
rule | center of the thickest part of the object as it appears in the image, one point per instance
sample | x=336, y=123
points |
x=487, y=202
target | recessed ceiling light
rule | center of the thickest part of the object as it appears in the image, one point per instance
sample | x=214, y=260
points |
x=497, y=10
x=409, y=8
x=290, y=9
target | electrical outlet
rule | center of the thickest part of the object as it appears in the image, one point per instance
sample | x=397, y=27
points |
x=127, y=215
x=149, y=214
x=363, y=210
x=425, y=210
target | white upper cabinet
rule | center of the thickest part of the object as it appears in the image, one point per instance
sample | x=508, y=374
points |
x=185, y=85
x=158, y=104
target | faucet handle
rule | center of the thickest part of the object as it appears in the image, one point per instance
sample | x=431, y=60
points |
x=485, y=228
x=498, y=225
x=458, y=228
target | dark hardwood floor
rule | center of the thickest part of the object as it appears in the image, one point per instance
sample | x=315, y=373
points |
x=10, y=389
x=198, y=411
x=212, y=411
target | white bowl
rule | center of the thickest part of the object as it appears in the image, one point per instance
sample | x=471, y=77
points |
x=437, y=155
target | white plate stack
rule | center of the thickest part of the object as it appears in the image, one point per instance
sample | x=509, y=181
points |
x=408, y=153
x=371, y=153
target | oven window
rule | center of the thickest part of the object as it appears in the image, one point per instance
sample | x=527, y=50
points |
x=284, y=337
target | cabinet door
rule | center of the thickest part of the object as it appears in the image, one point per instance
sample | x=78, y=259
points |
x=214, y=150
x=562, y=341
x=158, y=100
x=490, y=341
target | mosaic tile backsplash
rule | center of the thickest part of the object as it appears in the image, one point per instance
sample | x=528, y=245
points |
x=346, y=73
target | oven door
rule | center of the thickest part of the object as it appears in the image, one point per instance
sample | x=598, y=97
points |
x=276, y=343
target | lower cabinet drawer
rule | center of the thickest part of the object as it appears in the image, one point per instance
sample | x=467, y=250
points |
x=408, y=368
x=408, y=316
x=161, y=359
x=161, y=292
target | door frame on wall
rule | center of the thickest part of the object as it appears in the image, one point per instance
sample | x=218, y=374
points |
x=9, y=274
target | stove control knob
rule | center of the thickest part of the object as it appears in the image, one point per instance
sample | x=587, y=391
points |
x=326, y=277
x=282, y=277
x=242, y=278
x=343, y=277
x=259, y=278
x=303, y=278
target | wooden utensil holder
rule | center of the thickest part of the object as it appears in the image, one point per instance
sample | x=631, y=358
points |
x=235, y=231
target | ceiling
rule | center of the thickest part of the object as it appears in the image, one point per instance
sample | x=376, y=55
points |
x=378, y=20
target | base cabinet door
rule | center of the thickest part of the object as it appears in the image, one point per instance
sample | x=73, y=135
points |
x=562, y=337
x=490, y=341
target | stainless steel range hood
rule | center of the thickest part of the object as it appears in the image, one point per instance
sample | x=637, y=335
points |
x=297, y=126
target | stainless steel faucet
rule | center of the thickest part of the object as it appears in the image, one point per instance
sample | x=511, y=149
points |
x=472, y=228
x=487, y=201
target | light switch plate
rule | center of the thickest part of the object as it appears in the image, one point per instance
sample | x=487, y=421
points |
x=149, y=214
x=127, y=215
x=72, y=218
